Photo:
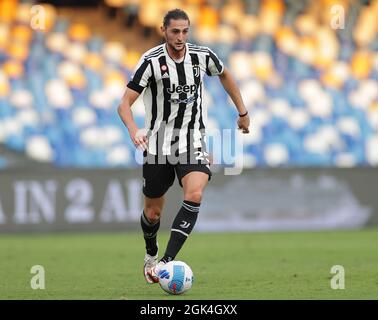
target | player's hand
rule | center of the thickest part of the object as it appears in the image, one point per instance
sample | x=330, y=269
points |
x=243, y=123
x=139, y=137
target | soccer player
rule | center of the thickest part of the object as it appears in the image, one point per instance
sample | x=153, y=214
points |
x=171, y=77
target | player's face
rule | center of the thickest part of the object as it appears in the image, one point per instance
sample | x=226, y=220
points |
x=176, y=34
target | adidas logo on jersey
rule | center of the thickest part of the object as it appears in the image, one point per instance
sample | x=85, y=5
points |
x=165, y=75
x=182, y=89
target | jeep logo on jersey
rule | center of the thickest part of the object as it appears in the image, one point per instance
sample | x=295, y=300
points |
x=182, y=89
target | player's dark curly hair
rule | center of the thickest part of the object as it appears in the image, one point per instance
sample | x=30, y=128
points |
x=175, y=14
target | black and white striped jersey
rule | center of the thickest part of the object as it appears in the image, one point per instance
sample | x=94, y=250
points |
x=173, y=97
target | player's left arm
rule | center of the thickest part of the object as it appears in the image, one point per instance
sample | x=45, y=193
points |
x=229, y=84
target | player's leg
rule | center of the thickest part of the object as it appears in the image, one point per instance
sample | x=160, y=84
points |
x=193, y=184
x=157, y=180
x=150, y=223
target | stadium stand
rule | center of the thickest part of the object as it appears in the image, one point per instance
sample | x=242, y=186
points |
x=312, y=90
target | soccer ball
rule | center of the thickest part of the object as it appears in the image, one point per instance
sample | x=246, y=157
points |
x=175, y=277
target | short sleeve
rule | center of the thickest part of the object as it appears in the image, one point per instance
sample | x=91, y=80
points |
x=214, y=66
x=141, y=76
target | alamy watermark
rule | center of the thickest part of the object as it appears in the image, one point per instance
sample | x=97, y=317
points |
x=337, y=17
x=216, y=147
x=38, y=280
x=338, y=280
x=37, y=17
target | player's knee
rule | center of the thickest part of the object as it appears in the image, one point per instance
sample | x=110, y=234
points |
x=194, y=196
x=152, y=213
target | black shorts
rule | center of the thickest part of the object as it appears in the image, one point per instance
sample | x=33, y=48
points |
x=158, y=177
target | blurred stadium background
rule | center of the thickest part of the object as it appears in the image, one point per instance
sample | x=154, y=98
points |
x=312, y=89
x=308, y=76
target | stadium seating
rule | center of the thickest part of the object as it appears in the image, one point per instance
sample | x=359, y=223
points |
x=312, y=91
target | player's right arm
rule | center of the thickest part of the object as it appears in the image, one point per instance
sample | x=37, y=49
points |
x=138, y=136
x=135, y=87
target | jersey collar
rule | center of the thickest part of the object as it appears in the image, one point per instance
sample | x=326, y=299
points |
x=185, y=56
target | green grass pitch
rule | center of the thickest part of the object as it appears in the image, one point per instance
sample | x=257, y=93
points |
x=278, y=265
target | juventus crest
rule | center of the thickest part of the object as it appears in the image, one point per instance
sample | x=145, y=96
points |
x=196, y=70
